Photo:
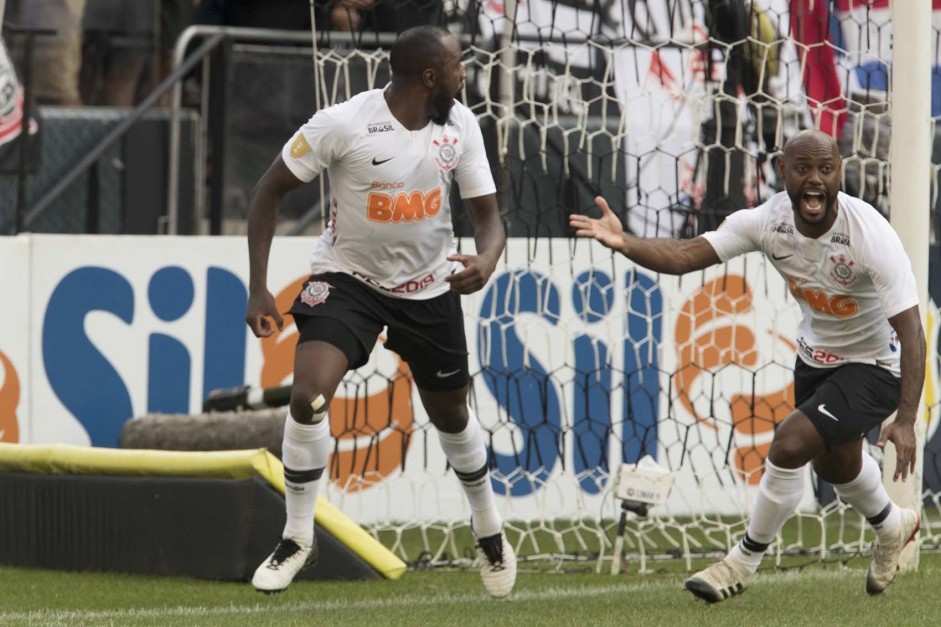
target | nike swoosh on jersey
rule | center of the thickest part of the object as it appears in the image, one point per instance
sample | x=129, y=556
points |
x=445, y=375
x=776, y=258
x=375, y=162
x=823, y=410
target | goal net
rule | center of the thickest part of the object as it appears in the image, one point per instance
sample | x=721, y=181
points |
x=675, y=111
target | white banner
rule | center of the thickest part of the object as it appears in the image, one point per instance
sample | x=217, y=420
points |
x=581, y=363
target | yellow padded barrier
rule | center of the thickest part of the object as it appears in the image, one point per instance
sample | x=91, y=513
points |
x=83, y=460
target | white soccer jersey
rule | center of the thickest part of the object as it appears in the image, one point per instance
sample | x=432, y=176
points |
x=848, y=281
x=390, y=218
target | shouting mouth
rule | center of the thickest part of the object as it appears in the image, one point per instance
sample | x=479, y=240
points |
x=812, y=204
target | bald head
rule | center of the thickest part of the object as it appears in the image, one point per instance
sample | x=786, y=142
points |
x=417, y=49
x=810, y=139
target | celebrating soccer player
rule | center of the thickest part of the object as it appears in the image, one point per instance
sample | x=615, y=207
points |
x=861, y=349
x=387, y=258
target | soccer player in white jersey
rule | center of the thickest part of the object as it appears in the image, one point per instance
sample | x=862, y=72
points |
x=387, y=258
x=861, y=349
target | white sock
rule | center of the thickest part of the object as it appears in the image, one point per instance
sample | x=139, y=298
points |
x=467, y=454
x=779, y=494
x=304, y=452
x=868, y=496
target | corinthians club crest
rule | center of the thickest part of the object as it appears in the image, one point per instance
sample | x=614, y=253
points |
x=447, y=156
x=842, y=271
x=315, y=293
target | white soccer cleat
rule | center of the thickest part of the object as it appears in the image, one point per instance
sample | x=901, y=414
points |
x=497, y=565
x=278, y=571
x=718, y=582
x=885, y=557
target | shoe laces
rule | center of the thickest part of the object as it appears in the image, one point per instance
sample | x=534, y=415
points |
x=882, y=550
x=492, y=547
x=729, y=571
x=725, y=573
x=285, y=549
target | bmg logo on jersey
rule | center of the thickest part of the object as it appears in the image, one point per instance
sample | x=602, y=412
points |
x=839, y=305
x=396, y=207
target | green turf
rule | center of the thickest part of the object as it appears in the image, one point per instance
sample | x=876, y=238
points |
x=827, y=595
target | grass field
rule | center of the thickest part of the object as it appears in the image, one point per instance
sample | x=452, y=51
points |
x=827, y=595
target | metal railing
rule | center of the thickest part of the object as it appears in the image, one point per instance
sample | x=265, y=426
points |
x=183, y=64
x=220, y=34
x=92, y=156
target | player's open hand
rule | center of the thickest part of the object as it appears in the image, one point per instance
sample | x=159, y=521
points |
x=474, y=275
x=902, y=435
x=607, y=229
x=260, y=313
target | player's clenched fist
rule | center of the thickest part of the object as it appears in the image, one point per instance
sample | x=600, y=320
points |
x=260, y=312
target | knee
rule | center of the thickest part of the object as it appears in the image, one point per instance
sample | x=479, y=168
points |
x=450, y=420
x=308, y=406
x=788, y=451
x=796, y=442
x=843, y=464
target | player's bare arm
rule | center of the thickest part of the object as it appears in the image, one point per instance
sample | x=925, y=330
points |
x=261, y=310
x=901, y=431
x=669, y=256
x=490, y=240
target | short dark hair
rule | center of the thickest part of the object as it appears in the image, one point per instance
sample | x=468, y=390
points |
x=417, y=49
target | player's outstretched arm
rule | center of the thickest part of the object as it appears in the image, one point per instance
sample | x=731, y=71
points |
x=901, y=431
x=489, y=240
x=261, y=310
x=670, y=256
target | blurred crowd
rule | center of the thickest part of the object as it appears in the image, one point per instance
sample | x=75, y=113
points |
x=113, y=52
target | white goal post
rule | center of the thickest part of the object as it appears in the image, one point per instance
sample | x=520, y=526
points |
x=910, y=194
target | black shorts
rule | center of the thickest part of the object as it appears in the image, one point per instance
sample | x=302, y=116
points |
x=428, y=334
x=847, y=401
